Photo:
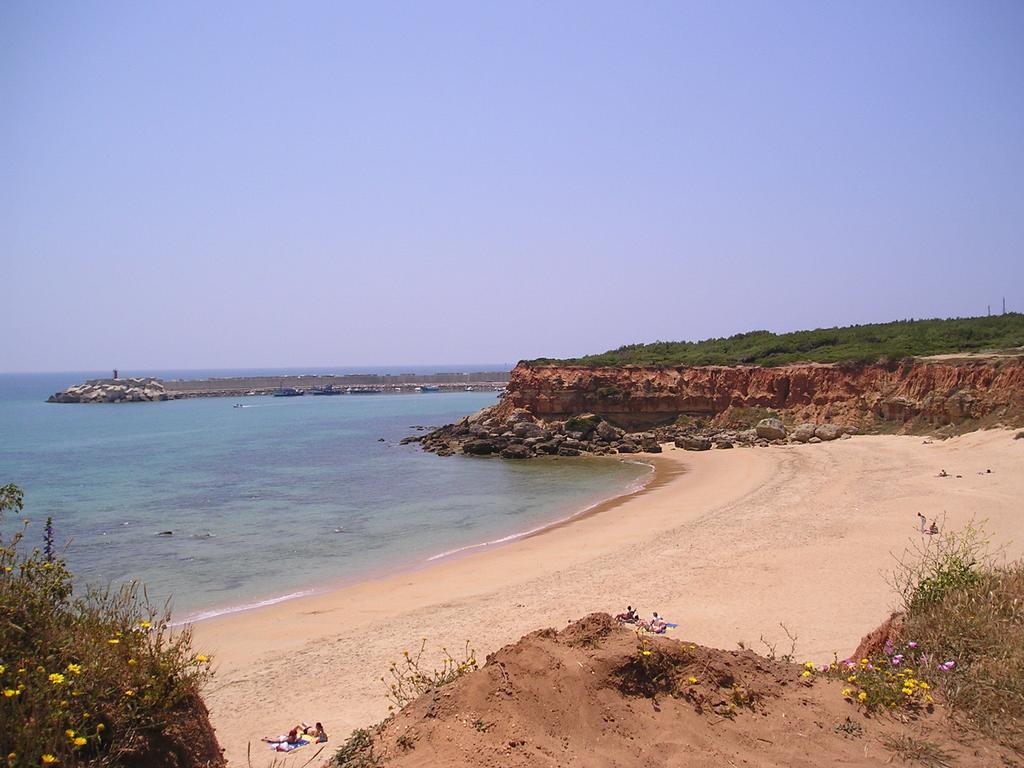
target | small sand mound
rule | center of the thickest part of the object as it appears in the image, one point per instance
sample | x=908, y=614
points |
x=596, y=694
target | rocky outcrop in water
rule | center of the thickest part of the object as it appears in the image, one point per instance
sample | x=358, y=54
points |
x=113, y=391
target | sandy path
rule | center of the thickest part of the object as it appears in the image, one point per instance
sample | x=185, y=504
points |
x=743, y=540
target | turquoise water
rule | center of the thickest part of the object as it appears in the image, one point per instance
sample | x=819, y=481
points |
x=280, y=497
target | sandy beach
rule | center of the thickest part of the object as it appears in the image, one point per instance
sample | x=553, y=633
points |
x=738, y=542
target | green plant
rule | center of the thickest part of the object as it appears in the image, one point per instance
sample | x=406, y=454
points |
x=83, y=681
x=850, y=729
x=409, y=677
x=976, y=631
x=357, y=751
x=949, y=561
x=787, y=658
x=920, y=751
x=855, y=344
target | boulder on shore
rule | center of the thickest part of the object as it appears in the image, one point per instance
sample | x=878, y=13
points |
x=516, y=452
x=693, y=443
x=828, y=432
x=803, y=433
x=771, y=429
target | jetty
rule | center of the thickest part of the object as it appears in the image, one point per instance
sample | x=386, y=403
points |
x=149, y=389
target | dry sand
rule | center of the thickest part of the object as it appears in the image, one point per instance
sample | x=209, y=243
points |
x=743, y=540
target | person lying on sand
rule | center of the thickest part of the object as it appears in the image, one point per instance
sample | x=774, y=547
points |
x=293, y=737
x=629, y=617
x=942, y=473
x=934, y=529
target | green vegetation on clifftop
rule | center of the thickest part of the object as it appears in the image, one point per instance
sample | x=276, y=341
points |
x=856, y=343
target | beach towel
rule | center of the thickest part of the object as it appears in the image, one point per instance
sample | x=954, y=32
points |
x=286, y=747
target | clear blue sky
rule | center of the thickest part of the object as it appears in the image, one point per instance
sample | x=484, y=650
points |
x=197, y=184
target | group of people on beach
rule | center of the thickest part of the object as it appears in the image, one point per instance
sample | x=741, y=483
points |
x=655, y=624
x=298, y=736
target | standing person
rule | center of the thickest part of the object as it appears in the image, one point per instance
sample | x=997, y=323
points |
x=923, y=521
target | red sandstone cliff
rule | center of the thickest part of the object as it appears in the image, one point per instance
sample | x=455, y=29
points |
x=906, y=396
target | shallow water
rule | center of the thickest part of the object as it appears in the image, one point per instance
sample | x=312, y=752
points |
x=279, y=497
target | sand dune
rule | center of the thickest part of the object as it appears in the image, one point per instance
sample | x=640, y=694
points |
x=739, y=542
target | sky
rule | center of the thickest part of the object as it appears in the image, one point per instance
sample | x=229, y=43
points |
x=245, y=184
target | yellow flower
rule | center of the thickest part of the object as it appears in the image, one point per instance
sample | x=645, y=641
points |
x=202, y=659
x=49, y=759
x=69, y=733
x=805, y=673
x=924, y=686
x=808, y=665
x=862, y=696
x=847, y=692
x=693, y=679
x=851, y=678
x=75, y=669
x=2, y=669
x=908, y=691
x=864, y=662
x=928, y=699
x=101, y=728
x=9, y=692
x=113, y=641
x=132, y=662
x=56, y=678
x=80, y=741
x=646, y=653
x=129, y=692
x=145, y=624
x=40, y=669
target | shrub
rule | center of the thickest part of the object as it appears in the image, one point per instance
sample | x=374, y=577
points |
x=855, y=344
x=83, y=681
x=949, y=561
x=409, y=678
x=978, y=627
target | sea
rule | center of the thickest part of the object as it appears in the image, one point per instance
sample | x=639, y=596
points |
x=276, y=499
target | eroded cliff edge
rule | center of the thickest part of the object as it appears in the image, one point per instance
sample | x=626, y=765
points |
x=907, y=396
x=560, y=409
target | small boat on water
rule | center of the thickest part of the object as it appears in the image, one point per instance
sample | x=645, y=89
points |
x=429, y=388
x=288, y=392
x=328, y=390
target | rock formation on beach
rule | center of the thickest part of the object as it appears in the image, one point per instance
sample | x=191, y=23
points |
x=565, y=410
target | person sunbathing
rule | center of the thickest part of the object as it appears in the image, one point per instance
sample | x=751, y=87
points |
x=316, y=733
x=293, y=737
x=629, y=617
x=657, y=624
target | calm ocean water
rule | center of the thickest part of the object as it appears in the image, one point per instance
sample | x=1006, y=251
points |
x=280, y=497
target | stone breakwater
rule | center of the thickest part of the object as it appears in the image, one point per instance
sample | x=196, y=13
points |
x=136, y=390
x=567, y=410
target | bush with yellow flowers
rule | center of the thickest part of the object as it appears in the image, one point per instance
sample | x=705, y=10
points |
x=900, y=678
x=410, y=677
x=84, y=680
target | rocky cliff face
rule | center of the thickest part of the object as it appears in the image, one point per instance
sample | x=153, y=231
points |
x=910, y=396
